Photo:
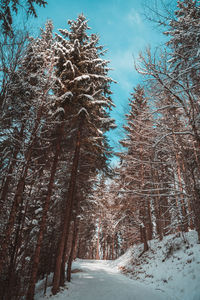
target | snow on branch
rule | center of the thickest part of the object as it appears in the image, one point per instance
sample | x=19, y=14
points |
x=172, y=133
x=84, y=111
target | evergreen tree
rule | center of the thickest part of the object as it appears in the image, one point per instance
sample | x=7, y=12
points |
x=83, y=73
x=136, y=161
x=26, y=106
x=184, y=42
x=10, y=7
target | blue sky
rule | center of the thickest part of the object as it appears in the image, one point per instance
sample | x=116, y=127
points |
x=123, y=30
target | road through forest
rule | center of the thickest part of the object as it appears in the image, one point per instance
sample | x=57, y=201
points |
x=101, y=280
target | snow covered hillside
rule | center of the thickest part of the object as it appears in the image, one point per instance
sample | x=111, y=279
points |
x=170, y=270
x=171, y=266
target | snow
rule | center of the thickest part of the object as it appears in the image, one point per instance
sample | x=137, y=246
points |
x=83, y=110
x=35, y=222
x=59, y=110
x=38, y=210
x=171, y=265
x=82, y=77
x=169, y=270
x=99, y=280
x=87, y=96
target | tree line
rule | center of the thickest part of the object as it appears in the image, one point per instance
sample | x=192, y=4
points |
x=60, y=199
x=55, y=113
x=156, y=188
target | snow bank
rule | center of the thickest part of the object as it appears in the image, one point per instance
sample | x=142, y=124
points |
x=170, y=270
x=98, y=280
x=171, y=265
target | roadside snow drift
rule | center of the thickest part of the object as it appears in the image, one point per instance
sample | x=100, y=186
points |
x=171, y=265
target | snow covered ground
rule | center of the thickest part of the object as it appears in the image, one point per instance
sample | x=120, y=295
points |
x=100, y=280
x=171, y=266
x=170, y=270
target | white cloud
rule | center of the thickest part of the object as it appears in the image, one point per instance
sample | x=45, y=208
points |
x=134, y=18
x=123, y=60
x=123, y=64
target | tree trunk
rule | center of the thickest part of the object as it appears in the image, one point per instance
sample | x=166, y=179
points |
x=62, y=273
x=159, y=228
x=70, y=259
x=33, y=278
x=68, y=211
x=145, y=211
x=113, y=246
x=11, y=222
x=183, y=208
x=149, y=220
x=104, y=249
x=98, y=238
x=144, y=238
x=18, y=194
x=12, y=164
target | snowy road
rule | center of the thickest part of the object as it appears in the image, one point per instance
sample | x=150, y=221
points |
x=100, y=280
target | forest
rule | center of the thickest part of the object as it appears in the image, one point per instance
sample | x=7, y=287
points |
x=61, y=198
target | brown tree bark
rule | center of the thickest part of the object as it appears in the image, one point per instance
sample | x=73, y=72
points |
x=12, y=164
x=146, y=208
x=159, y=227
x=33, y=278
x=70, y=259
x=195, y=203
x=21, y=184
x=183, y=207
x=144, y=238
x=18, y=194
x=113, y=246
x=98, y=238
x=149, y=221
x=104, y=249
x=68, y=211
x=188, y=183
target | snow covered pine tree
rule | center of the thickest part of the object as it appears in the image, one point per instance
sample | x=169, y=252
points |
x=83, y=73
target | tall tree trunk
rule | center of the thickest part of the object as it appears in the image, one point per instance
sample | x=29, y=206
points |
x=70, y=259
x=33, y=278
x=144, y=238
x=98, y=238
x=188, y=183
x=113, y=246
x=104, y=249
x=11, y=270
x=17, y=244
x=196, y=206
x=146, y=209
x=149, y=220
x=68, y=211
x=183, y=207
x=5, y=187
x=74, y=234
x=18, y=194
x=21, y=184
x=157, y=199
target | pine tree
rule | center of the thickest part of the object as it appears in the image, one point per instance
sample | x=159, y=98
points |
x=184, y=42
x=136, y=162
x=82, y=72
x=8, y=8
x=184, y=98
x=26, y=105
